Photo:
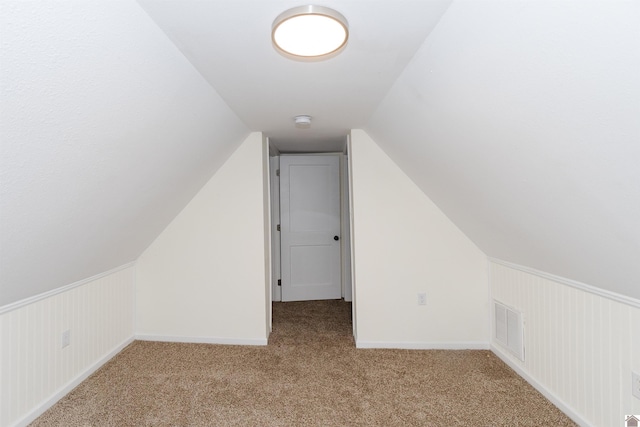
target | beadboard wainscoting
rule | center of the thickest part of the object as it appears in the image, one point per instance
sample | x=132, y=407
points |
x=35, y=369
x=580, y=347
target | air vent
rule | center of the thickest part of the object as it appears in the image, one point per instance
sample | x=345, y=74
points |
x=509, y=331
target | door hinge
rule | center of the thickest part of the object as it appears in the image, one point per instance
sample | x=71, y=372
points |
x=277, y=172
x=279, y=282
x=278, y=227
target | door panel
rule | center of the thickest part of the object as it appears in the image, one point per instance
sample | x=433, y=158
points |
x=310, y=218
x=307, y=265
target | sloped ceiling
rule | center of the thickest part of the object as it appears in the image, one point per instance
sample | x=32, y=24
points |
x=521, y=121
x=107, y=133
x=229, y=42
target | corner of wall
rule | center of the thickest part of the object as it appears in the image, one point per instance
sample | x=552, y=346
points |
x=266, y=192
x=405, y=246
x=203, y=278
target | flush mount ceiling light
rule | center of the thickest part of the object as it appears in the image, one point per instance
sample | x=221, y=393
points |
x=309, y=32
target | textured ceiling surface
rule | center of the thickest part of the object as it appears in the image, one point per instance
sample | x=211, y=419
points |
x=519, y=119
x=229, y=42
x=107, y=133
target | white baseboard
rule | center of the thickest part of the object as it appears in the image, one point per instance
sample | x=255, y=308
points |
x=42, y=408
x=471, y=345
x=544, y=391
x=203, y=340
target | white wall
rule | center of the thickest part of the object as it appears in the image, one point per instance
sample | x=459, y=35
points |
x=203, y=278
x=107, y=132
x=35, y=371
x=519, y=119
x=580, y=347
x=403, y=244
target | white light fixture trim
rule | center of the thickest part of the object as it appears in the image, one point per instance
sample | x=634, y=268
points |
x=303, y=121
x=310, y=32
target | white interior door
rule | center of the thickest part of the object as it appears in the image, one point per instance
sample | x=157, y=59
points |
x=310, y=227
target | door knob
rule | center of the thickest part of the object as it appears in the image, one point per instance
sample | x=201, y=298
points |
x=336, y=238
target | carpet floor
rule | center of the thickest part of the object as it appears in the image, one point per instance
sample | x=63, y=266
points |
x=310, y=374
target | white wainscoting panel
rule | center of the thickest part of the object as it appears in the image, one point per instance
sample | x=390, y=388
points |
x=34, y=368
x=580, y=347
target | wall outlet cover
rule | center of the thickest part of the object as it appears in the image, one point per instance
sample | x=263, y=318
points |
x=422, y=298
x=66, y=338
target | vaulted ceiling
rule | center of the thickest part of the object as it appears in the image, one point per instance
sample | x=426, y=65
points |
x=521, y=120
x=229, y=42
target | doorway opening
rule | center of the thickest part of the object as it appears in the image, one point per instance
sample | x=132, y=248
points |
x=310, y=225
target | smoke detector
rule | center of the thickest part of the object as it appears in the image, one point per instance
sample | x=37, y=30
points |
x=303, y=122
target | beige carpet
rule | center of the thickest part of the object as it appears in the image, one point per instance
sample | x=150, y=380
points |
x=310, y=374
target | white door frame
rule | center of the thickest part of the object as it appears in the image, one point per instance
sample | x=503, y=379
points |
x=345, y=255
x=345, y=231
x=310, y=218
x=274, y=166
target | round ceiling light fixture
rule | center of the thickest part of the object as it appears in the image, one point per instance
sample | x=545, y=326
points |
x=308, y=32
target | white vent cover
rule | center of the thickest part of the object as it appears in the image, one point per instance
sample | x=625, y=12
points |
x=508, y=329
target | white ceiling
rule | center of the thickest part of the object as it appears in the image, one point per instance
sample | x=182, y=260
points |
x=229, y=42
x=520, y=120
x=106, y=133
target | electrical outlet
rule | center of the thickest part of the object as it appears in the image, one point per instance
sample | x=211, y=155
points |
x=66, y=338
x=422, y=298
x=635, y=384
